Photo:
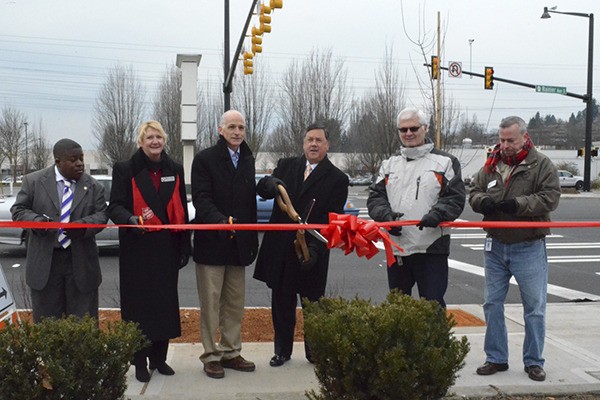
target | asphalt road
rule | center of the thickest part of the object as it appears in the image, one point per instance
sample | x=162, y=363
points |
x=574, y=272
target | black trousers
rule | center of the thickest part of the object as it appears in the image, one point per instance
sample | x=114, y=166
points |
x=156, y=353
x=283, y=311
x=428, y=271
x=61, y=297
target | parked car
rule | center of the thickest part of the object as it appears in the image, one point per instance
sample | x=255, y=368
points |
x=110, y=237
x=567, y=179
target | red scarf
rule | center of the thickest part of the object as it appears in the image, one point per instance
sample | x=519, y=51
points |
x=496, y=156
x=175, y=211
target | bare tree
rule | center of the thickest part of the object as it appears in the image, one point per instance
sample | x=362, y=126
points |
x=210, y=108
x=315, y=90
x=12, y=123
x=40, y=149
x=252, y=96
x=373, y=132
x=426, y=42
x=118, y=112
x=167, y=111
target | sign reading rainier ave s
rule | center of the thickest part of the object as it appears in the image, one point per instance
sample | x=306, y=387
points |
x=551, y=89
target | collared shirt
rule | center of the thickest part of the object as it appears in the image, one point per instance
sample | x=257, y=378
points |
x=235, y=156
x=60, y=185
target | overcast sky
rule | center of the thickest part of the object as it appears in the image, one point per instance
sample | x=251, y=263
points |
x=54, y=55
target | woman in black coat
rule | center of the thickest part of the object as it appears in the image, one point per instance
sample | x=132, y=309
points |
x=149, y=189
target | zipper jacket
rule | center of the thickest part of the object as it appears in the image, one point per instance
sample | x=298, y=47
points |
x=533, y=184
x=419, y=181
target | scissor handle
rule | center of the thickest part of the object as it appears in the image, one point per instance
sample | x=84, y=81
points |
x=285, y=204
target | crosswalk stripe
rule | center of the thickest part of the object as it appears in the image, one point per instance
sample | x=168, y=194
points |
x=554, y=290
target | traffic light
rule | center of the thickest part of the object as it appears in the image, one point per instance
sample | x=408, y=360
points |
x=580, y=152
x=594, y=152
x=248, y=63
x=435, y=67
x=256, y=44
x=488, y=82
x=264, y=18
x=276, y=4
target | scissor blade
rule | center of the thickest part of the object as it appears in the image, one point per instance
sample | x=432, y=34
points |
x=305, y=221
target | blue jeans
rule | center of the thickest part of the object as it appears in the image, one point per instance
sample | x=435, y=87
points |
x=528, y=263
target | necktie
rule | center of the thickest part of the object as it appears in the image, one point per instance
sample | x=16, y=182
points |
x=235, y=157
x=65, y=213
x=307, y=171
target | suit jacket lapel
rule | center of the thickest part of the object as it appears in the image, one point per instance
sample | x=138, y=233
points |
x=144, y=183
x=49, y=184
x=81, y=189
x=316, y=175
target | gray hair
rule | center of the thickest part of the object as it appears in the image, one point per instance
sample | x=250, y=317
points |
x=510, y=121
x=410, y=113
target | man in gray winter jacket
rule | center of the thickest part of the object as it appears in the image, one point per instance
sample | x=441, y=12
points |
x=421, y=183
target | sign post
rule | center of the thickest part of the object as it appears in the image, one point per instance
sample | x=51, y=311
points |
x=7, y=305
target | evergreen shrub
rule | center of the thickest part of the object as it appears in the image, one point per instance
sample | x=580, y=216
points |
x=400, y=349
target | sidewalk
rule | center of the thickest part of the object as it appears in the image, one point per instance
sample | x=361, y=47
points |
x=572, y=355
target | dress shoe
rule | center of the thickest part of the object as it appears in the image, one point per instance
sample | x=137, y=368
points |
x=239, y=364
x=142, y=374
x=536, y=373
x=163, y=368
x=490, y=368
x=278, y=361
x=214, y=369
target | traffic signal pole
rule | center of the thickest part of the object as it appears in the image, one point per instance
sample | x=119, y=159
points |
x=227, y=69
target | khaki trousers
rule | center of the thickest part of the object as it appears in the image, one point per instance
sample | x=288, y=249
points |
x=221, y=291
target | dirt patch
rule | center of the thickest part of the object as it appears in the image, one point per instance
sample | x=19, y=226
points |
x=257, y=325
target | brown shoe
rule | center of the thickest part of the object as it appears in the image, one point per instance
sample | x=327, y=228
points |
x=239, y=364
x=490, y=368
x=214, y=369
x=536, y=373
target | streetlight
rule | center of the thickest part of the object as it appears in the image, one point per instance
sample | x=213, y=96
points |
x=471, y=56
x=587, y=163
x=26, y=150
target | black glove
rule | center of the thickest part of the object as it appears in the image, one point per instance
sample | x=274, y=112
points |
x=184, y=259
x=269, y=186
x=395, y=230
x=224, y=234
x=507, y=206
x=306, y=265
x=41, y=218
x=428, y=221
x=488, y=206
x=135, y=220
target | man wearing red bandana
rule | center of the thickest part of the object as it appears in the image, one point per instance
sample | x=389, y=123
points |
x=517, y=183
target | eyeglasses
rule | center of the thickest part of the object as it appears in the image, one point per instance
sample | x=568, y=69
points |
x=413, y=129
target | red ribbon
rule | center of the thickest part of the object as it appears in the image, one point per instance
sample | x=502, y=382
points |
x=349, y=233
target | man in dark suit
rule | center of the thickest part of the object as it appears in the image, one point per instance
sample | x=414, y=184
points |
x=224, y=192
x=310, y=176
x=62, y=266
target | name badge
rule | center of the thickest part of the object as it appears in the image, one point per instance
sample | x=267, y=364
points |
x=167, y=179
x=488, y=244
x=492, y=184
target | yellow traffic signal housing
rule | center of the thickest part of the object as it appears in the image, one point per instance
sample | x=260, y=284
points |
x=435, y=67
x=276, y=4
x=256, y=44
x=265, y=19
x=248, y=63
x=488, y=82
x=256, y=31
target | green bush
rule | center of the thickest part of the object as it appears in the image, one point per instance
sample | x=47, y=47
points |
x=400, y=349
x=67, y=359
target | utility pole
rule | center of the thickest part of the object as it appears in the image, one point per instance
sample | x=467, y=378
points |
x=438, y=118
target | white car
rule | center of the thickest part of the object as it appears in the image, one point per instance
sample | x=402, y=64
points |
x=567, y=179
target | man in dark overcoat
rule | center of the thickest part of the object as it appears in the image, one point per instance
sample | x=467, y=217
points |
x=310, y=176
x=224, y=192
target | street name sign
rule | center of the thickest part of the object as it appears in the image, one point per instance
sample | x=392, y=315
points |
x=551, y=89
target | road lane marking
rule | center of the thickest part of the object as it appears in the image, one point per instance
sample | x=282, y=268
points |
x=554, y=290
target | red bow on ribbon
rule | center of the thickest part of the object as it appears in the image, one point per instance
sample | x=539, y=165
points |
x=348, y=232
